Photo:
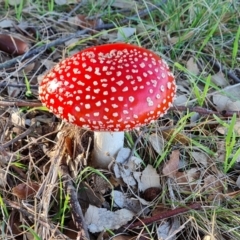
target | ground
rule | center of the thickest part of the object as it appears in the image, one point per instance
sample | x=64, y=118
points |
x=177, y=178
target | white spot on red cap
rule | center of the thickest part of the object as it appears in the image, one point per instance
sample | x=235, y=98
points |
x=87, y=106
x=131, y=99
x=77, y=109
x=98, y=104
x=96, y=90
x=113, y=89
x=125, y=89
x=87, y=76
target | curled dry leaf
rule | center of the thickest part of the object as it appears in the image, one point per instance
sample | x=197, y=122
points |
x=12, y=45
x=25, y=190
x=171, y=167
x=179, y=138
x=147, y=178
x=192, y=66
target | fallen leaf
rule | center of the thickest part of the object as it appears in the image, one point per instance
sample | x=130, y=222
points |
x=157, y=142
x=121, y=201
x=100, y=219
x=124, y=33
x=213, y=186
x=82, y=21
x=188, y=180
x=192, y=66
x=171, y=167
x=25, y=190
x=219, y=79
x=179, y=138
x=167, y=230
x=200, y=158
x=6, y=23
x=124, y=169
x=223, y=102
x=147, y=178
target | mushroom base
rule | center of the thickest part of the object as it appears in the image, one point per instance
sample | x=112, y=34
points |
x=106, y=147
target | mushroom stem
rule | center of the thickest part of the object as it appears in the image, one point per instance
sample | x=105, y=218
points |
x=106, y=146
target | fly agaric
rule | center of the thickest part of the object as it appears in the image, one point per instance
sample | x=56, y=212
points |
x=109, y=89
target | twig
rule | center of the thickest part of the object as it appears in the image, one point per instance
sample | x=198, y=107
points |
x=20, y=136
x=6, y=84
x=74, y=203
x=165, y=215
x=20, y=104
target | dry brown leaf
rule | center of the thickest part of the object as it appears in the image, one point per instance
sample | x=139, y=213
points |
x=201, y=158
x=25, y=190
x=213, y=186
x=192, y=66
x=189, y=179
x=171, y=167
x=178, y=137
x=83, y=21
x=157, y=142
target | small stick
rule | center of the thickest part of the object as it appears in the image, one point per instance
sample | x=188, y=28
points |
x=20, y=136
x=165, y=215
x=19, y=104
x=76, y=209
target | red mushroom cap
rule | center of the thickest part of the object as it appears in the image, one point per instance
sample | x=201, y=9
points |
x=112, y=87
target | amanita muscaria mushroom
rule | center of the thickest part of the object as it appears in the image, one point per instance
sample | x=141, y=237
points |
x=109, y=89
